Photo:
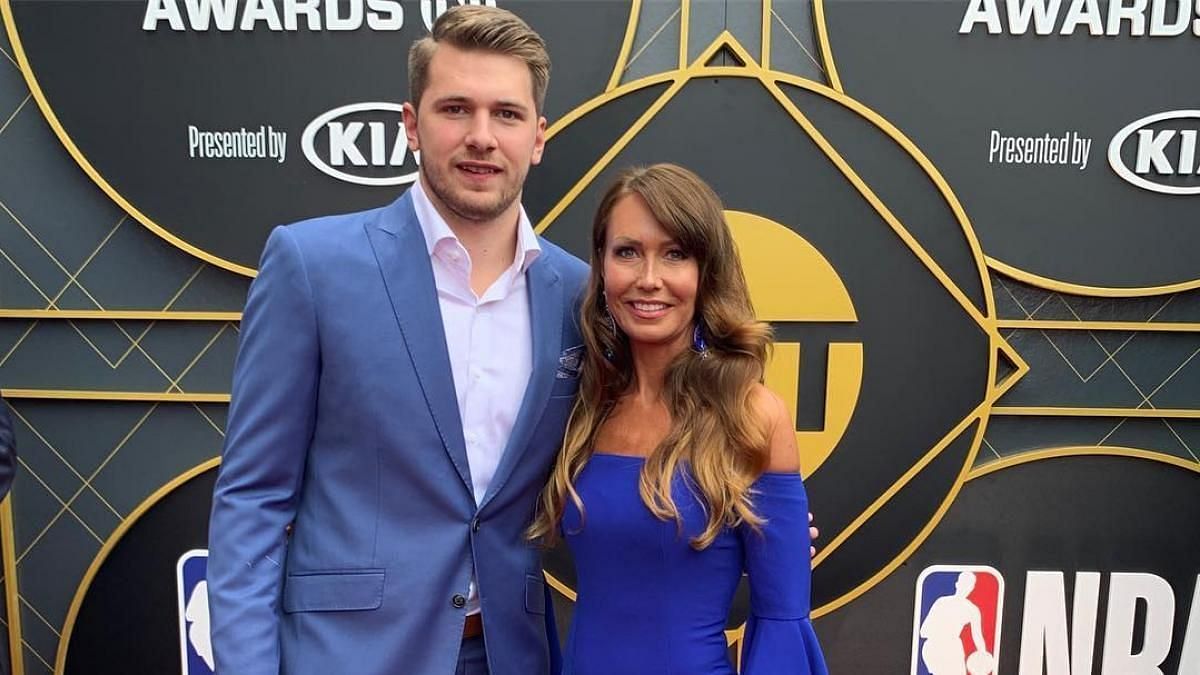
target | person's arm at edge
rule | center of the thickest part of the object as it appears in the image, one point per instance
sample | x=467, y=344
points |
x=8, y=450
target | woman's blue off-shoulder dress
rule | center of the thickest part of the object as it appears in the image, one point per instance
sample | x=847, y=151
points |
x=650, y=604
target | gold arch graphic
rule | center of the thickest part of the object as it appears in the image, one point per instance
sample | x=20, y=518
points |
x=985, y=319
x=1079, y=289
x=1082, y=451
x=1006, y=269
x=60, y=660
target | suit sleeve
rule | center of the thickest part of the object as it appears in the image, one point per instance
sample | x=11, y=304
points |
x=8, y=450
x=271, y=421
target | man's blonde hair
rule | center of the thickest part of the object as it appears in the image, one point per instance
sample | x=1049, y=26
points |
x=483, y=28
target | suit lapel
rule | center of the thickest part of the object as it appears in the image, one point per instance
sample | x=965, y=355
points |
x=403, y=259
x=546, y=315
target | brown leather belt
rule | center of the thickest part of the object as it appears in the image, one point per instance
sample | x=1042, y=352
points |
x=473, y=627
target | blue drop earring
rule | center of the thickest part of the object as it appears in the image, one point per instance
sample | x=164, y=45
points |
x=612, y=327
x=699, y=344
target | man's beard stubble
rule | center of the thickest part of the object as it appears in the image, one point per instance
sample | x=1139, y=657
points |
x=464, y=208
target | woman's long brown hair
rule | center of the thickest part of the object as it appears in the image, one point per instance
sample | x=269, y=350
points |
x=714, y=433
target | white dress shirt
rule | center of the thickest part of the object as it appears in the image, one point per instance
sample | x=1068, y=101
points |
x=489, y=340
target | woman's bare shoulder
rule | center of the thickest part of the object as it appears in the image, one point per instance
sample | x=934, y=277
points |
x=770, y=411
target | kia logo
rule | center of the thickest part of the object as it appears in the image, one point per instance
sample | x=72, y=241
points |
x=362, y=143
x=1160, y=153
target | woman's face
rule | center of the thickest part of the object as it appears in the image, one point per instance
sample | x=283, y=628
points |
x=650, y=282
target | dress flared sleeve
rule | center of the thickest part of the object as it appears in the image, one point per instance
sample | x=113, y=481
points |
x=779, y=637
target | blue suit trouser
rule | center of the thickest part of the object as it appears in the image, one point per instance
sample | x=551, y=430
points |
x=472, y=657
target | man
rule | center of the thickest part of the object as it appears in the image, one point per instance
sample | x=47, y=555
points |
x=401, y=388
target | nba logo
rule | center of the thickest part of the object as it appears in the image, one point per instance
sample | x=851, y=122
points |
x=956, y=620
x=195, y=645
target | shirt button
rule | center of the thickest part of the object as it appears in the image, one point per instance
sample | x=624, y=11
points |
x=459, y=600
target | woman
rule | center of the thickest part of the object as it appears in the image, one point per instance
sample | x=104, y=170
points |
x=679, y=468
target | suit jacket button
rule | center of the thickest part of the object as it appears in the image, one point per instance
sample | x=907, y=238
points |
x=459, y=600
x=475, y=525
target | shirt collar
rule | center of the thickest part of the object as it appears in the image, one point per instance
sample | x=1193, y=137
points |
x=436, y=230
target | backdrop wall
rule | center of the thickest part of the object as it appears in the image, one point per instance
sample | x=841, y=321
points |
x=972, y=223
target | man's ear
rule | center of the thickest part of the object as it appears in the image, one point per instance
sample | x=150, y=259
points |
x=410, y=127
x=539, y=142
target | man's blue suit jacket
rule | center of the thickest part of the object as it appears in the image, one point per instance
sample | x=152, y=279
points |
x=343, y=522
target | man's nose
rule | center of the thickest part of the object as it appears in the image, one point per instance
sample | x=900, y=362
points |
x=479, y=134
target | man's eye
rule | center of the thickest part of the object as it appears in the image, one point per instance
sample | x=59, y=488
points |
x=454, y=109
x=508, y=115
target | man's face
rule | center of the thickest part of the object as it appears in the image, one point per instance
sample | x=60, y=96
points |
x=478, y=132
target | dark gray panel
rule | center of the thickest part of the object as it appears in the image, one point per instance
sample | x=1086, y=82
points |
x=60, y=558
x=1069, y=377
x=213, y=290
x=793, y=40
x=1007, y=435
x=76, y=364
x=34, y=507
x=136, y=271
x=173, y=439
x=174, y=345
x=905, y=189
x=706, y=20
x=1150, y=434
x=213, y=372
x=12, y=86
x=46, y=190
x=96, y=513
x=893, y=527
x=655, y=42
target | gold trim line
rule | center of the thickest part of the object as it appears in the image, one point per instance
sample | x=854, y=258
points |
x=1080, y=289
x=635, y=11
x=118, y=315
x=92, y=395
x=764, y=56
x=12, y=596
x=831, y=73
x=1147, y=326
x=1050, y=411
x=1081, y=451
